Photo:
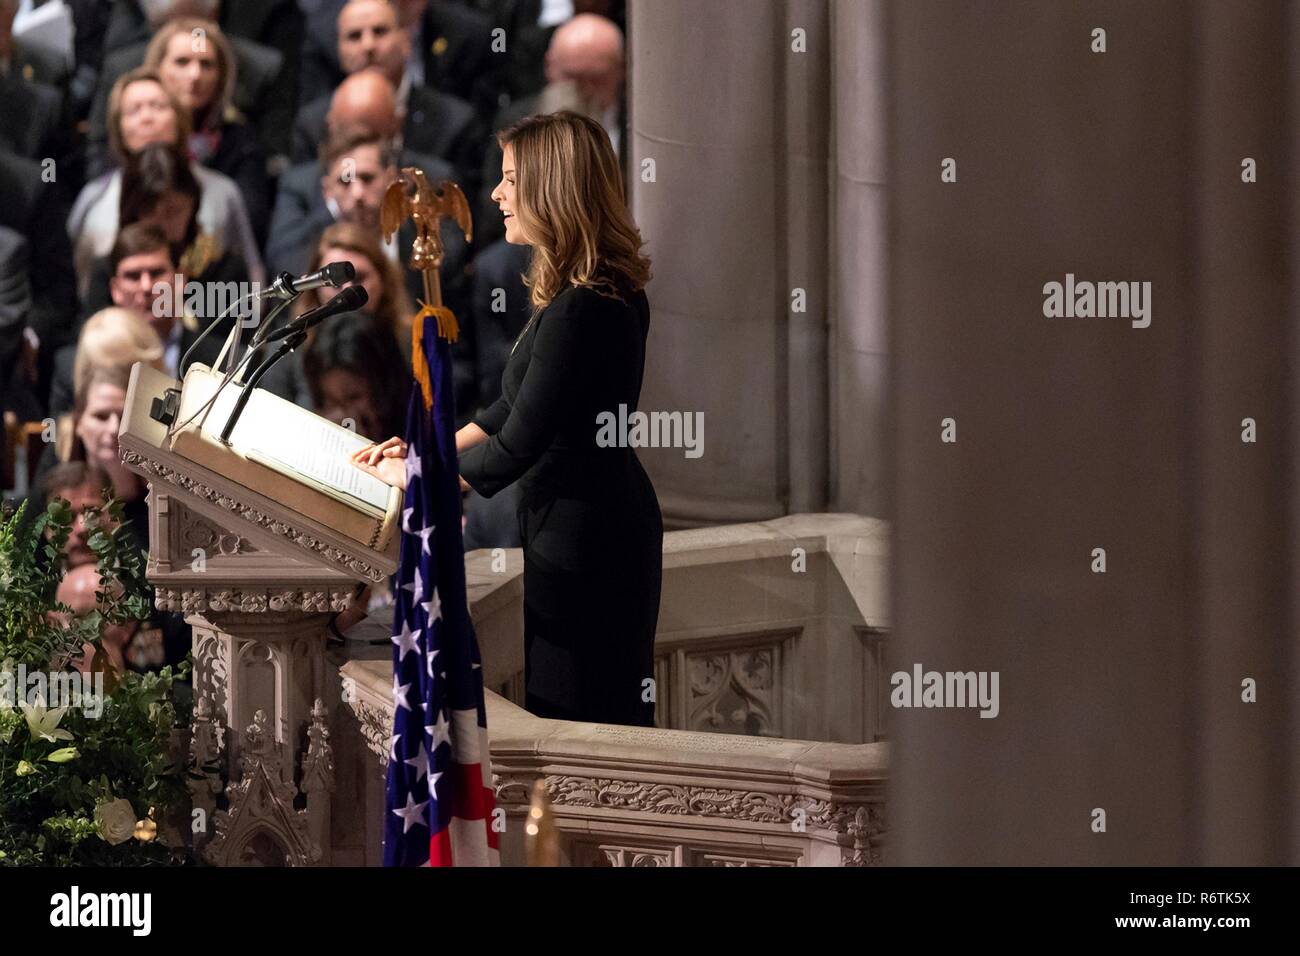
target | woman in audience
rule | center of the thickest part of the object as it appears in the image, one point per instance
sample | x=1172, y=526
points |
x=159, y=189
x=97, y=373
x=347, y=368
x=89, y=434
x=141, y=113
x=82, y=486
x=388, y=310
x=389, y=305
x=96, y=417
x=111, y=336
x=165, y=638
x=197, y=66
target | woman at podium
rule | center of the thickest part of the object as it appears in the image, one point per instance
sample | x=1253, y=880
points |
x=589, y=518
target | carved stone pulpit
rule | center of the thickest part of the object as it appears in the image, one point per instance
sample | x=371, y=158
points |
x=258, y=556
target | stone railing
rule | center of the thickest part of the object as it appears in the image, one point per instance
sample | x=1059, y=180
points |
x=631, y=796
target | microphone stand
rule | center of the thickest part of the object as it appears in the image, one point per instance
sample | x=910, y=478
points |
x=287, y=346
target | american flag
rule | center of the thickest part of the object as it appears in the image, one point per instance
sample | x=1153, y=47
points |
x=439, y=809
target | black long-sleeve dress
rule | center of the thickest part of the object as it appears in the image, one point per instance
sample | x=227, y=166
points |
x=589, y=518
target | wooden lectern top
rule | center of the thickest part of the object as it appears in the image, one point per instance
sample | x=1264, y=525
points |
x=286, y=470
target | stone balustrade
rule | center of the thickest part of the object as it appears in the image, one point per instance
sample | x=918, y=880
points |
x=763, y=627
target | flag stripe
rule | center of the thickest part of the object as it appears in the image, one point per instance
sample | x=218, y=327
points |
x=439, y=796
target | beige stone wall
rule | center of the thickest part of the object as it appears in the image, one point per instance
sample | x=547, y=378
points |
x=768, y=179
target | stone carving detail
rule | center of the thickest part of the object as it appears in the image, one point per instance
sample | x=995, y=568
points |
x=732, y=692
x=715, y=859
x=198, y=532
x=204, y=765
x=621, y=856
x=864, y=830
x=210, y=671
x=376, y=728
x=861, y=824
x=510, y=790
x=278, y=528
x=650, y=797
x=261, y=826
x=318, y=764
x=192, y=600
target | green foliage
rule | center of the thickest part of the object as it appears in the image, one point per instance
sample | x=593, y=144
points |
x=58, y=764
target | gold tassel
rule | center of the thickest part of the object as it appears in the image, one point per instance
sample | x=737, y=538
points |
x=447, y=329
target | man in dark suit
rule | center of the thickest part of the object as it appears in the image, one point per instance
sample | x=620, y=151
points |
x=144, y=281
x=530, y=26
x=31, y=62
x=31, y=117
x=348, y=186
x=36, y=210
x=451, y=51
x=266, y=35
x=433, y=123
x=32, y=108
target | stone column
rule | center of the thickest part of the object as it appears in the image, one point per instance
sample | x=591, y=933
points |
x=734, y=123
x=858, y=366
x=1244, y=284
x=1119, y=691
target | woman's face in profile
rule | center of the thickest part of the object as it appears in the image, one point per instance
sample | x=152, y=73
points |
x=504, y=196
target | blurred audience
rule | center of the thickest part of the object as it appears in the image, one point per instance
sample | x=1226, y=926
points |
x=346, y=367
x=388, y=309
x=266, y=38
x=17, y=356
x=82, y=486
x=88, y=434
x=114, y=337
x=451, y=50
x=165, y=638
x=585, y=69
x=33, y=116
x=195, y=61
x=357, y=167
x=143, y=114
x=172, y=123
x=433, y=123
x=32, y=207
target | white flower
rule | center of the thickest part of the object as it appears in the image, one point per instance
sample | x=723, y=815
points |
x=43, y=722
x=116, y=820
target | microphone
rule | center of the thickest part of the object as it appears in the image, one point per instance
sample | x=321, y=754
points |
x=349, y=300
x=293, y=334
x=333, y=274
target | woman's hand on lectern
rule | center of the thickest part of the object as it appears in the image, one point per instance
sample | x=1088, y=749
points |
x=386, y=460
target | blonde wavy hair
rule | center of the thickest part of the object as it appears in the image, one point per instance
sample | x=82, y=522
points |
x=114, y=337
x=222, y=105
x=571, y=204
